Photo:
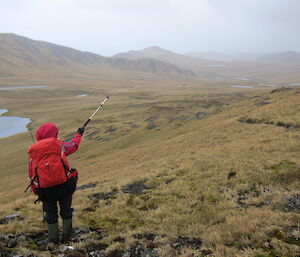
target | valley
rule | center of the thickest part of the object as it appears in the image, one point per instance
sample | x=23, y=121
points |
x=177, y=163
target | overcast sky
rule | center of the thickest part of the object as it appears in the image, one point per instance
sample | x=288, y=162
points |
x=108, y=27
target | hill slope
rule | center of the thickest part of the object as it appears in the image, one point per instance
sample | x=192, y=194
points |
x=284, y=58
x=212, y=56
x=168, y=175
x=22, y=55
x=215, y=56
x=166, y=56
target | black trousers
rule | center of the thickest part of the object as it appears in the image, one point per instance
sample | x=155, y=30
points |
x=51, y=198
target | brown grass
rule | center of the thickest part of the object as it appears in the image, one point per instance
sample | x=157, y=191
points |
x=185, y=162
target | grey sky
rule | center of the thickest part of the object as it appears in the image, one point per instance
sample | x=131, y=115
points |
x=108, y=27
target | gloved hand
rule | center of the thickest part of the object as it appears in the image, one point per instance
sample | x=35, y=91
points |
x=80, y=131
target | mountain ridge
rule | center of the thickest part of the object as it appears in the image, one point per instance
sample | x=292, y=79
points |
x=19, y=53
x=284, y=57
x=161, y=54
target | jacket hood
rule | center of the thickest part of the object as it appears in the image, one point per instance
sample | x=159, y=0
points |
x=47, y=130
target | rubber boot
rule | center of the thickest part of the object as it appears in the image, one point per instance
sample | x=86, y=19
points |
x=53, y=235
x=67, y=231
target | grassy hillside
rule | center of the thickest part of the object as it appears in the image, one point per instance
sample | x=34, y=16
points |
x=166, y=171
x=24, y=56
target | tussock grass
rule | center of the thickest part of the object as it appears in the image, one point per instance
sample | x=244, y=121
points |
x=184, y=161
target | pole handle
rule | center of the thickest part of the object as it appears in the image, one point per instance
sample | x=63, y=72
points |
x=27, y=188
x=87, y=122
x=30, y=129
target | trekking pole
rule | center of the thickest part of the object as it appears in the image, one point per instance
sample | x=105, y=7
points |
x=30, y=129
x=89, y=119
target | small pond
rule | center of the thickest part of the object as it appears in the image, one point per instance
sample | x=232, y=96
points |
x=242, y=78
x=11, y=125
x=81, y=95
x=241, y=86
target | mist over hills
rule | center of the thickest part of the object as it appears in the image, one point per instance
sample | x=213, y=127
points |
x=197, y=59
x=286, y=57
x=156, y=52
x=20, y=55
x=216, y=56
x=261, y=67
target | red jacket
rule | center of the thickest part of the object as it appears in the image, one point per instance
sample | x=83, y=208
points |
x=48, y=130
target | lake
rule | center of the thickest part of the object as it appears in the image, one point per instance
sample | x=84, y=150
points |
x=21, y=87
x=11, y=125
x=242, y=78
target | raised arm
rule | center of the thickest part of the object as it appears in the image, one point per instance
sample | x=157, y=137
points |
x=72, y=145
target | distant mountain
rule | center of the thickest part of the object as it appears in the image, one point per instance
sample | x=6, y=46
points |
x=211, y=56
x=151, y=52
x=23, y=55
x=180, y=60
x=216, y=56
x=288, y=57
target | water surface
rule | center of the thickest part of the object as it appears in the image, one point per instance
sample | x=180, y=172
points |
x=2, y=111
x=294, y=84
x=21, y=87
x=11, y=125
x=242, y=78
x=81, y=95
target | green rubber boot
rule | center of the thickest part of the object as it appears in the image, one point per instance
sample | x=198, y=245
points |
x=67, y=231
x=53, y=235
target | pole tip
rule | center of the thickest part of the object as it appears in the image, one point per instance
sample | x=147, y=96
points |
x=107, y=96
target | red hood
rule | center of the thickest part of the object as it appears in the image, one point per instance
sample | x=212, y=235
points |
x=46, y=130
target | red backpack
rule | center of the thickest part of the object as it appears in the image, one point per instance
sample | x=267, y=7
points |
x=49, y=165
